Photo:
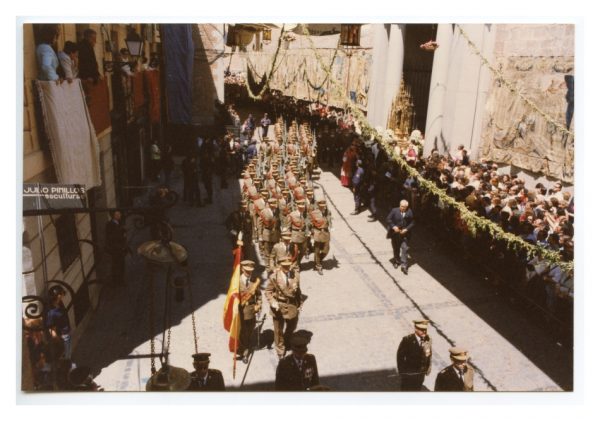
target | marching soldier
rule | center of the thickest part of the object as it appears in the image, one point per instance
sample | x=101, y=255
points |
x=270, y=223
x=281, y=251
x=321, y=237
x=204, y=378
x=256, y=207
x=414, y=357
x=298, y=224
x=457, y=377
x=250, y=306
x=285, y=300
x=298, y=371
x=310, y=198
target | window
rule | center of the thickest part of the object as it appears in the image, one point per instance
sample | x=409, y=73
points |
x=81, y=303
x=68, y=243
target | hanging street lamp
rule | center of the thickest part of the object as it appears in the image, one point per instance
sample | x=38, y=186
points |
x=135, y=48
x=164, y=253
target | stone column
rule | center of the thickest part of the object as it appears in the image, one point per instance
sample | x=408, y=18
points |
x=462, y=102
x=378, y=69
x=437, y=92
x=393, y=75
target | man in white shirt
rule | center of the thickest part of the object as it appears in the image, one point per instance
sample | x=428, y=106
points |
x=68, y=60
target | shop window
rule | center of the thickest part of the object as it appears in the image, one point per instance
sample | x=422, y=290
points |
x=68, y=243
x=81, y=303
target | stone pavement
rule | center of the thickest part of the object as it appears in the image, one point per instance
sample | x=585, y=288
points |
x=357, y=311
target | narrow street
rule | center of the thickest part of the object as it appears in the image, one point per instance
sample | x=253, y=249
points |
x=357, y=312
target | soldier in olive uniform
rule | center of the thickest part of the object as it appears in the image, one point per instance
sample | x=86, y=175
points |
x=282, y=250
x=297, y=371
x=299, y=238
x=250, y=306
x=457, y=377
x=270, y=227
x=321, y=226
x=414, y=357
x=204, y=378
x=285, y=300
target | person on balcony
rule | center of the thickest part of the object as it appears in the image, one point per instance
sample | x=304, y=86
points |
x=46, y=55
x=68, y=59
x=88, y=65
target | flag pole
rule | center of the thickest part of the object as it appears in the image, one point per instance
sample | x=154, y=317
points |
x=235, y=342
x=235, y=357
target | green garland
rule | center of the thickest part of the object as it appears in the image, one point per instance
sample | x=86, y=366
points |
x=474, y=222
x=271, y=72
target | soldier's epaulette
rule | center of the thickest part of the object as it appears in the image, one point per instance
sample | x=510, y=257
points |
x=445, y=370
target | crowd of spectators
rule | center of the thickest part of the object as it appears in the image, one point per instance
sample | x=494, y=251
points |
x=542, y=216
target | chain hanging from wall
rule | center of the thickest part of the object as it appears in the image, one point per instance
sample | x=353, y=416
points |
x=166, y=254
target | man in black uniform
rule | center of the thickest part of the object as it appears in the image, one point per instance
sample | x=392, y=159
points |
x=298, y=371
x=116, y=246
x=457, y=377
x=204, y=378
x=240, y=221
x=414, y=357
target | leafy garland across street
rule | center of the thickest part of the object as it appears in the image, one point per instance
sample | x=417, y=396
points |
x=474, y=222
x=271, y=72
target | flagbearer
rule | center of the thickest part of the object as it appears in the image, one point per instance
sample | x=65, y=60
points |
x=204, y=378
x=250, y=306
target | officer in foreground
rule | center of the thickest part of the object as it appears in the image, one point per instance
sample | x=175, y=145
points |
x=298, y=371
x=414, y=357
x=204, y=378
x=457, y=377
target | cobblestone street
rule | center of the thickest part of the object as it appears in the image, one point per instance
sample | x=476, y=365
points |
x=357, y=312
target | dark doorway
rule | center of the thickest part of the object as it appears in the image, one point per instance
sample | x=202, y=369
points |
x=417, y=69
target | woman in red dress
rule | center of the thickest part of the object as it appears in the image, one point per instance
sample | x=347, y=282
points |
x=348, y=166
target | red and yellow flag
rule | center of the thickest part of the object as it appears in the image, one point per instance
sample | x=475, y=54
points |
x=231, y=316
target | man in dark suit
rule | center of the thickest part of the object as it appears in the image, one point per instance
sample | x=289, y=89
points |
x=400, y=222
x=414, y=357
x=204, y=378
x=88, y=65
x=298, y=371
x=116, y=246
x=457, y=377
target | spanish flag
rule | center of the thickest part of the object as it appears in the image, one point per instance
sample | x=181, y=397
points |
x=231, y=316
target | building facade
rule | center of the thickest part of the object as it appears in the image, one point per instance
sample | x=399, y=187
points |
x=69, y=248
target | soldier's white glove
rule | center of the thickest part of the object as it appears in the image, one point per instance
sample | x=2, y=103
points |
x=275, y=305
